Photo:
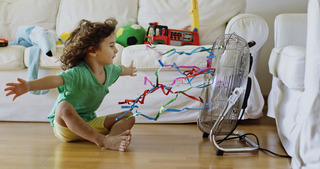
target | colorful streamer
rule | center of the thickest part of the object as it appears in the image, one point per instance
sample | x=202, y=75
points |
x=188, y=75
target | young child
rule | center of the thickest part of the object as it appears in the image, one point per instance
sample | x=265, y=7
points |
x=87, y=61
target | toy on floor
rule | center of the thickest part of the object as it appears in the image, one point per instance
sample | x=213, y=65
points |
x=3, y=42
x=39, y=39
x=130, y=34
x=160, y=34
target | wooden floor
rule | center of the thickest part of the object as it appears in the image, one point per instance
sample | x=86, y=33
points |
x=154, y=146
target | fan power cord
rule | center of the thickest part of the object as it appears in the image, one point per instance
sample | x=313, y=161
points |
x=257, y=142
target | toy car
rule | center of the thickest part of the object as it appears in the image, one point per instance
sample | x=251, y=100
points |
x=160, y=34
x=3, y=42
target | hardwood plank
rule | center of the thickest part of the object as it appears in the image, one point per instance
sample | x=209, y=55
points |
x=154, y=146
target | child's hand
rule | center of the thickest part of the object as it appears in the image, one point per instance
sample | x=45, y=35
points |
x=130, y=70
x=17, y=89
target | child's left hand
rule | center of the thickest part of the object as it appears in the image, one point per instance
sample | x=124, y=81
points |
x=130, y=70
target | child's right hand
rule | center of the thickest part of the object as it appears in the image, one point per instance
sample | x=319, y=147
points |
x=17, y=89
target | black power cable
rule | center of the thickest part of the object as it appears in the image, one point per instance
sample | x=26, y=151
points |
x=257, y=142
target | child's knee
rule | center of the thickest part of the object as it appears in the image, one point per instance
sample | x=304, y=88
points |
x=130, y=117
x=63, y=106
x=130, y=114
x=64, y=109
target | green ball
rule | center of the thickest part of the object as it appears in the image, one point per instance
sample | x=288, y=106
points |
x=130, y=34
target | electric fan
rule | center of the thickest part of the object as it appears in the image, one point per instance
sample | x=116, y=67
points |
x=227, y=92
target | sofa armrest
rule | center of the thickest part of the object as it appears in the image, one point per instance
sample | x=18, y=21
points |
x=290, y=29
x=288, y=65
x=252, y=28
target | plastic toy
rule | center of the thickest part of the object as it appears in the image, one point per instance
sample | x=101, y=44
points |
x=160, y=34
x=3, y=42
x=64, y=36
x=194, y=13
x=130, y=34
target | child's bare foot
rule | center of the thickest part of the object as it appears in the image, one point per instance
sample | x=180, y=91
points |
x=118, y=142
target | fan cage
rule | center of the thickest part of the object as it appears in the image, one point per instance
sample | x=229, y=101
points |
x=232, y=60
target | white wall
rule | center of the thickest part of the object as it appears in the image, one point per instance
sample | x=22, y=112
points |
x=269, y=9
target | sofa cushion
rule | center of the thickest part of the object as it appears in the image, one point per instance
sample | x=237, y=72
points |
x=145, y=58
x=54, y=63
x=213, y=14
x=16, y=13
x=72, y=11
x=288, y=64
x=46, y=61
x=11, y=57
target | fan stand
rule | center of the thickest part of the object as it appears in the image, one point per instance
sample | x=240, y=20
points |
x=252, y=146
x=233, y=98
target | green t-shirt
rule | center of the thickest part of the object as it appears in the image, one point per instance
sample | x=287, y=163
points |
x=83, y=90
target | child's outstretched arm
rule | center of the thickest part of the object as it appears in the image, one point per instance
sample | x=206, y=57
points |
x=22, y=87
x=130, y=70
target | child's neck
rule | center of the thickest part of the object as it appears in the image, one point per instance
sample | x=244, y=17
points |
x=98, y=71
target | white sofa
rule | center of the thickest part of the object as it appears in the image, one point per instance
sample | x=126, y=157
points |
x=294, y=99
x=217, y=17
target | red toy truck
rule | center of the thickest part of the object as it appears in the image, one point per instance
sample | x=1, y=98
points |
x=160, y=34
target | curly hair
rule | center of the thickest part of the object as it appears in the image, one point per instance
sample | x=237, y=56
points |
x=87, y=34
